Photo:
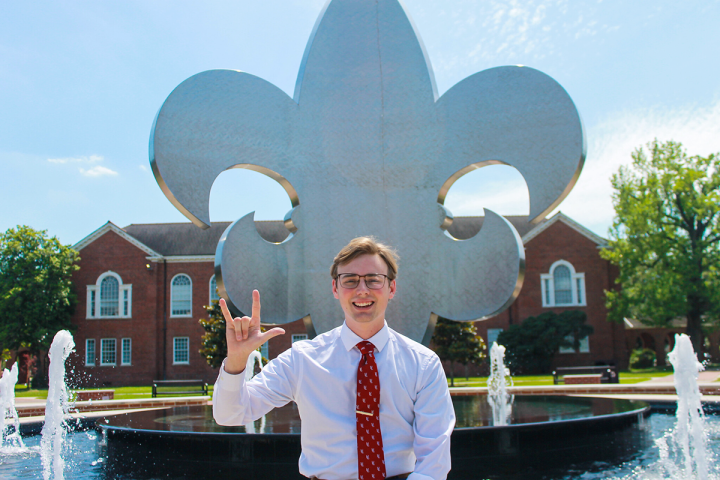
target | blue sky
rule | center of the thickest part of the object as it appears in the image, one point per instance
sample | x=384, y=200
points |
x=81, y=81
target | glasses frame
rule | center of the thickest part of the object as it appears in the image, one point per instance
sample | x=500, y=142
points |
x=362, y=277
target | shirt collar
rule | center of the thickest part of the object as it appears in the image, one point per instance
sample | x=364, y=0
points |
x=350, y=338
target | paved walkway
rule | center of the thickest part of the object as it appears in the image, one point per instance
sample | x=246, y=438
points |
x=703, y=378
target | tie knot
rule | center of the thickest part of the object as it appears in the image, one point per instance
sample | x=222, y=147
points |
x=366, y=347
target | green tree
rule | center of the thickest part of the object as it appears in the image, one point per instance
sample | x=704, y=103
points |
x=664, y=238
x=458, y=342
x=214, y=344
x=531, y=346
x=36, y=294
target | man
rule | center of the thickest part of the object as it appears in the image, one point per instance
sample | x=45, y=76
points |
x=351, y=428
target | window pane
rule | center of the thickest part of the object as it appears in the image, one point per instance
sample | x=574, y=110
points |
x=181, y=350
x=579, y=290
x=92, y=304
x=297, y=338
x=90, y=351
x=126, y=356
x=563, y=287
x=107, y=351
x=547, y=291
x=213, y=290
x=125, y=303
x=109, y=297
x=569, y=338
x=264, y=350
x=181, y=296
x=585, y=345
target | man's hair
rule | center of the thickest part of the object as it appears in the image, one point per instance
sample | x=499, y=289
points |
x=366, y=246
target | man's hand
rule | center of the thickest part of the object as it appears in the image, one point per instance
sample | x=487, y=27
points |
x=244, y=335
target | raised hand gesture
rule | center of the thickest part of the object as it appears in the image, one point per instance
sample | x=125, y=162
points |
x=244, y=335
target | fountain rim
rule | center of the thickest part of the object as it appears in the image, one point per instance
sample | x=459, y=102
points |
x=644, y=409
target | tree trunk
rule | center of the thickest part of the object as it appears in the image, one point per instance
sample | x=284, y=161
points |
x=467, y=375
x=452, y=374
x=694, y=331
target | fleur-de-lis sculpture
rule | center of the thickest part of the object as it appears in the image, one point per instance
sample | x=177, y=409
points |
x=366, y=147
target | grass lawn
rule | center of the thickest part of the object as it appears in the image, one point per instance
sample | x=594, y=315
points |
x=540, y=380
x=121, y=393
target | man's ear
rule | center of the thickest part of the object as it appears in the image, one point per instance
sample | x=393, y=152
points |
x=393, y=289
x=334, y=289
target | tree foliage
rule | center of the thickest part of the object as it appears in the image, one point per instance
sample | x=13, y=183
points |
x=36, y=294
x=664, y=238
x=458, y=342
x=214, y=344
x=531, y=346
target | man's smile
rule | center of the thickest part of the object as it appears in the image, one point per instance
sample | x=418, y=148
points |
x=363, y=304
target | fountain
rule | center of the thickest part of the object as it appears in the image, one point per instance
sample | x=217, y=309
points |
x=545, y=433
x=56, y=409
x=498, y=381
x=10, y=435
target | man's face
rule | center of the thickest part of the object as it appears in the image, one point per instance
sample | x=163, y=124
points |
x=361, y=304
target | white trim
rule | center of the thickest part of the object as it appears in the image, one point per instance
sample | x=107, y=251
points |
x=94, y=347
x=111, y=227
x=171, y=296
x=560, y=217
x=101, y=352
x=122, y=352
x=547, y=286
x=175, y=351
x=123, y=288
x=184, y=258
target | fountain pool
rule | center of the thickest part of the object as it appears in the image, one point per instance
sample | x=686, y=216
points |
x=86, y=458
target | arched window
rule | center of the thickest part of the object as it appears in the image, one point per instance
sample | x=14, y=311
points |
x=109, y=297
x=181, y=296
x=214, y=297
x=562, y=286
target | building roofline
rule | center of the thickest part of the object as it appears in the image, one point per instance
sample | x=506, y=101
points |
x=111, y=227
x=561, y=217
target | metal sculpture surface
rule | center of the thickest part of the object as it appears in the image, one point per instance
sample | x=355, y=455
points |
x=366, y=147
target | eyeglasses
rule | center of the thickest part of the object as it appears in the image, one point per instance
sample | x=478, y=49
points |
x=373, y=281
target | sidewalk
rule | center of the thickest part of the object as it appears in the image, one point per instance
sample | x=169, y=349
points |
x=704, y=377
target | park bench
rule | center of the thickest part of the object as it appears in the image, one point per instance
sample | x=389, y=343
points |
x=179, y=387
x=608, y=374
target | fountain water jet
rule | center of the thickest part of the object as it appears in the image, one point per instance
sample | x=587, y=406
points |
x=10, y=434
x=255, y=356
x=498, y=381
x=688, y=439
x=56, y=409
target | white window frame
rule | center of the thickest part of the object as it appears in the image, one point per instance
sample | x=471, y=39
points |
x=102, y=343
x=214, y=291
x=577, y=281
x=90, y=352
x=175, y=350
x=93, y=293
x=172, y=295
x=123, y=350
x=299, y=337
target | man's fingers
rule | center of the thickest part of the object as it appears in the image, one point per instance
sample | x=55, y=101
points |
x=273, y=332
x=245, y=325
x=226, y=312
x=256, y=306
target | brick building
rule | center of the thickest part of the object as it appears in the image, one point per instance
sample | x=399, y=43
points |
x=142, y=289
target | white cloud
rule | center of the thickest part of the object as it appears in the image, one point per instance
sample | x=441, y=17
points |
x=91, y=159
x=143, y=168
x=611, y=143
x=97, y=171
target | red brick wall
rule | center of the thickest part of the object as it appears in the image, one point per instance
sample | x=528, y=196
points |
x=151, y=315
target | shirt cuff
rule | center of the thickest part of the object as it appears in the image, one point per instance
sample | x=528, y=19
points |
x=230, y=382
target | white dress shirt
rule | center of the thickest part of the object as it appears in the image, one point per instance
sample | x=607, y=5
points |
x=320, y=375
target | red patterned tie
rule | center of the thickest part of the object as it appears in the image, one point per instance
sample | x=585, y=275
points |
x=371, y=459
